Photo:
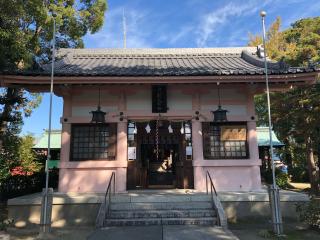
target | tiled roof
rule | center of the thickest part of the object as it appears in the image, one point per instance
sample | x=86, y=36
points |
x=263, y=138
x=162, y=62
x=42, y=142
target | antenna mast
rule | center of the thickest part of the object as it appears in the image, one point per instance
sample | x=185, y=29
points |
x=124, y=30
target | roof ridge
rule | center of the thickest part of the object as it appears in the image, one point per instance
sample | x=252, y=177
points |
x=153, y=51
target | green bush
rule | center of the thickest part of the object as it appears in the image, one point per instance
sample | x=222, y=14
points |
x=282, y=179
x=19, y=185
x=310, y=213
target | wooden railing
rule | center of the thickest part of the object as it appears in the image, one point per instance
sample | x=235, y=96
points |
x=216, y=203
x=105, y=205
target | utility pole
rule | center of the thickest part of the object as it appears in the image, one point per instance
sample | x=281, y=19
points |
x=47, y=203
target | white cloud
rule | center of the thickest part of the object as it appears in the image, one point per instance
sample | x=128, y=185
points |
x=223, y=23
x=218, y=18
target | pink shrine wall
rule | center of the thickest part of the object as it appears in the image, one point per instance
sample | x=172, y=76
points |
x=135, y=103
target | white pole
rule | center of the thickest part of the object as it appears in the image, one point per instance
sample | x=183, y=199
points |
x=124, y=25
x=45, y=220
x=274, y=185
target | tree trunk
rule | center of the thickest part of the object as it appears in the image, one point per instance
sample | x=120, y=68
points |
x=288, y=157
x=314, y=177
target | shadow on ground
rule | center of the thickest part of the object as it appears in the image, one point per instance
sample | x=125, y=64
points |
x=163, y=233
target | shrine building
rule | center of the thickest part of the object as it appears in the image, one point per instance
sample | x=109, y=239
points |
x=159, y=118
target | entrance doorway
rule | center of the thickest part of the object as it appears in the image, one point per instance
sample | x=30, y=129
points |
x=163, y=155
x=159, y=166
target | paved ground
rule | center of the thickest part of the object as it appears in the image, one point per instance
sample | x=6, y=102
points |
x=163, y=233
x=244, y=231
x=262, y=231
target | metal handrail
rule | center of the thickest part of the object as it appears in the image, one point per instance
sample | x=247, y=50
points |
x=216, y=204
x=104, y=208
x=108, y=192
x=211, y=184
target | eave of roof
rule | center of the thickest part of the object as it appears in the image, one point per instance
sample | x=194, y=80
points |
x=303, y=78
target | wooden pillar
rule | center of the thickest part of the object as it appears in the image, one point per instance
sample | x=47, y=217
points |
x=197, y=145
x=122, y=156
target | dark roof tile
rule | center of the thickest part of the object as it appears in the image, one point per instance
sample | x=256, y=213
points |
x=162, y=62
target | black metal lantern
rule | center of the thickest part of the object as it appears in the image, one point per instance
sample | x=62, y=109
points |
x=98, y=116
x=220, y=115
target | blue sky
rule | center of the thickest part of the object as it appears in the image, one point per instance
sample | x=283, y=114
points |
x=180, y=23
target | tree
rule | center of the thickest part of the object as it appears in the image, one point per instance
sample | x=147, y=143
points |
x=26, y=29
x=295, y=113
x=27, y=156
x=275, y=42
x=25, y=35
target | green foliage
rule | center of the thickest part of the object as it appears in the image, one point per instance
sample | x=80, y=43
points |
x=295, y=113
x=27, y=156
x=260, y=102
x=26, y=28
x=14, y=104
x=282, y=179
x=17, y=152
x=8, y=156
x=275, y=42
x=26, y=31
x=296, y=45
x=304, y=37
x=310, y=213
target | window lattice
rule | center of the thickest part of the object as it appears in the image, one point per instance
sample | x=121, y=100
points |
x=90, y=142
x=225, y=141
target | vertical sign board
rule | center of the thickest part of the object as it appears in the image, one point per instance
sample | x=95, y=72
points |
x=159, y=99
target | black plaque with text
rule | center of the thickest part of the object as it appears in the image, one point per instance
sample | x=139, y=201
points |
x=159, y=99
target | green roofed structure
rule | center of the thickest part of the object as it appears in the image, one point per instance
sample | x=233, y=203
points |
x=263, y=138
x=41, y=146
x=264, y=146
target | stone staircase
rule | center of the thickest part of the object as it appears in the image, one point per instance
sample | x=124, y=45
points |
x=160, y=209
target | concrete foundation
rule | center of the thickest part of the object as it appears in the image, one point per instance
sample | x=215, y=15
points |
x=81, y=209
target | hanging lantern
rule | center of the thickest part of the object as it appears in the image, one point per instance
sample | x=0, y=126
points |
x=98, y=116
x=219, y=115
x=170, y=128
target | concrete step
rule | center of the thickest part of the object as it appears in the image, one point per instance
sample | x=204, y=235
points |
x=160, y=198
x=161, y=206
x=204, y=221
x=191, y=213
